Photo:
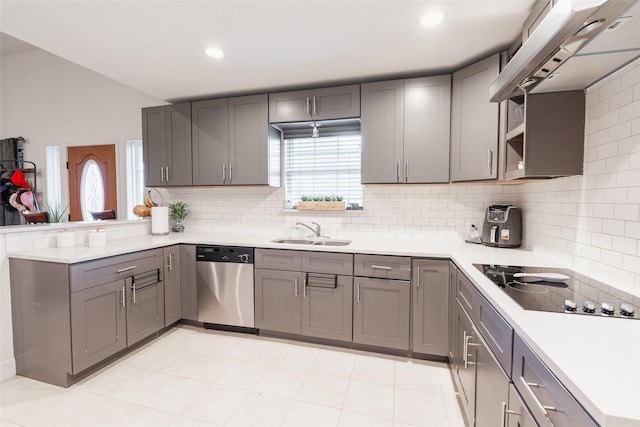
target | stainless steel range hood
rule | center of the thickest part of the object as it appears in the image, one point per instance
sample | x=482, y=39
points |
x=575, y=45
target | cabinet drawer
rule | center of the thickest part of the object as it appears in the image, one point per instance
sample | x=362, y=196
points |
x=386, y=267
x=93, y=273
x=549, y=401
x=326, y=262
x=468, y=296
x=277, y=259
x=497, y=333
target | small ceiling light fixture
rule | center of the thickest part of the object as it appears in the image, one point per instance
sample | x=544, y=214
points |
x=432, y=18
x=214, y=52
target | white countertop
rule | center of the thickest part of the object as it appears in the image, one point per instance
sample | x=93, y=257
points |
x=596, y=358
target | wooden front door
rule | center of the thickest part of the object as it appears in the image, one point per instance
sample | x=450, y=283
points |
x=86, y=158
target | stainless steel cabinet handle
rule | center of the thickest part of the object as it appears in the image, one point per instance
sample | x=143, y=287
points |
x=167, y=172
x=358, y=293
x=397, y=171
x=406, y=171
x=506, y=412
x=315, y=109
x=490, y=161
x=380, y=267
x=537, y=401
x=122, y=298
x=304, y=288
x=418, y=278
x=308, y=110
x=467, y=338
x=122, y=270
x=133, y=287
x=170, y=266
x=295, y=288
x=224, y=173
x=230, y=172
x=161, y=173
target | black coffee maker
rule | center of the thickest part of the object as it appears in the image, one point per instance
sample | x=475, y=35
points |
x=502, y=227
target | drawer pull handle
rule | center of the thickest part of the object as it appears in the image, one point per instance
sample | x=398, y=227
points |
x=358, y=293
x=506, y=412
x=295, y=287
x=122, y=298
x=122, y=270
x=380, y=267
x=170, y=266
x=543, y=408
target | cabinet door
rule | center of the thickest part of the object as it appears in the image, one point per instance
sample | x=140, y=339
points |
x=517, y=413
x=188, y=285
x=178, y=155
x=382, y=131
x=154, y=145
x=474, y=122
x=210, y=129
x=492, y=387
x=249, y=140
x=430, y=307
x=465, y=371
x=381, y=312
x=172, y=289
x=278, y=297
x=327, y=306
x=453, y=277
x=342, y=102
x=290, y=106
x=427, y=107
x=145, y=308
x=98, y=324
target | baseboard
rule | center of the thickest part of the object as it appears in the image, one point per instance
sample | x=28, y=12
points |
x=7, y=369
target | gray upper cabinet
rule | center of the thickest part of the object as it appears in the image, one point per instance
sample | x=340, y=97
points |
x=430, y=296
x=210, y=123
x=166, y=137
x=233, y=143
x=405, y=131
x=474, y=122
x=340, y=102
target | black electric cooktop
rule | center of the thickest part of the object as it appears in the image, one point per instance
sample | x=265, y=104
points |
x=565, y=291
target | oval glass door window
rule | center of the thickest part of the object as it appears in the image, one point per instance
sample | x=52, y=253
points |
x=91, y=190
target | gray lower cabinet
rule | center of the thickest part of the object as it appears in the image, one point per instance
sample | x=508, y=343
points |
x=68, y=318
x=430, y=314
x=464, y=374
x=474, y=122
x=381, y=312
x=172, y=288
x=277, y=300
x=550, y=403
x=517, y=414
x=340, y=102
x=98, y=324
x=304, y=293
x=405, y=130
x=166, y=139
x=188, y=284
x=451, y=304
x=233, y=143
x=492, y=386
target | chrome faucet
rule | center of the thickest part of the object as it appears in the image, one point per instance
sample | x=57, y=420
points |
x=317, y=231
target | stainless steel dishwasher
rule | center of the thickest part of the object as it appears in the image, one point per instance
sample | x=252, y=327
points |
x=225, y=287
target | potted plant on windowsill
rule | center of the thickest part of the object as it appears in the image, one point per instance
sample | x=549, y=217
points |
x=321, y=203
x=178, y=211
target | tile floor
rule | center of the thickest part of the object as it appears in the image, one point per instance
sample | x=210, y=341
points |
x=195, y=377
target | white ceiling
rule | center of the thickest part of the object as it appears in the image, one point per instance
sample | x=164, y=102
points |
x=157, y=46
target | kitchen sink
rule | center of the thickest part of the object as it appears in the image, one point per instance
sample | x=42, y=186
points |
x=315, y=242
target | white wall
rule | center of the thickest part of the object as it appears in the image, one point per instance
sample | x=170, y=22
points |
x=51, y=101
x=593, y=221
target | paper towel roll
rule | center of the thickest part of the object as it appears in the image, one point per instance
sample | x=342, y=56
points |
x=66, y=239
x=160, y=220
x=97, y=238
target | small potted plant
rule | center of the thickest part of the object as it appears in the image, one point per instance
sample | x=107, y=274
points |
x=55, y=211
x=178, y=211
x=321, y=203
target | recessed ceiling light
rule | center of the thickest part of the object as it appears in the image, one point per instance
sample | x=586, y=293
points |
x=432, y=18
x=214, y=52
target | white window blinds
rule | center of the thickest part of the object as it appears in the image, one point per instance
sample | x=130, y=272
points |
x=323, y=166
